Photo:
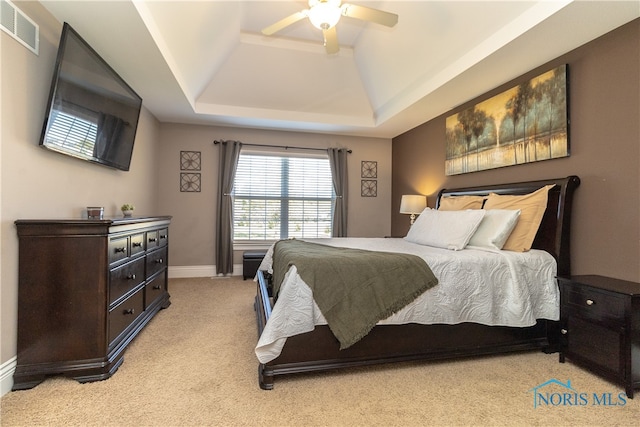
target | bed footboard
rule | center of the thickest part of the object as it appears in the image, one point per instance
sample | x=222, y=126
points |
x=319, y=350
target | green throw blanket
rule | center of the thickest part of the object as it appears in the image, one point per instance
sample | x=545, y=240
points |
x=353, y=288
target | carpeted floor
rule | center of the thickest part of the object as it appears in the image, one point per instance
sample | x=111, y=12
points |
x=194, y=366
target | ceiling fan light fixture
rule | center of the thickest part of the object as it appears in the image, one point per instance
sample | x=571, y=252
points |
x=324, y=14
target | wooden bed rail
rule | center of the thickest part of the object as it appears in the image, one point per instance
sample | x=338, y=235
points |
x=262, y=304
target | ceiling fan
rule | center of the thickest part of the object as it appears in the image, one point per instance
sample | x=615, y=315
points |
x=325, y=14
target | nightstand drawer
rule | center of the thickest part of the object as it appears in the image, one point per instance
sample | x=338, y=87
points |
x=595, y=305
x=595, y=344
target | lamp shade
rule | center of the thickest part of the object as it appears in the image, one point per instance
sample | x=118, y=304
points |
x=413, y=204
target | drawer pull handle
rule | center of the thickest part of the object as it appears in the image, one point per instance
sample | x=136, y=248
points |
x=129, y=311
x=157, y=287
x=122, y=249
x=590, y=302
x=137, y=244
x=131, y=277
x=152, y=239
x=159, y=261
x=163, y=236
x=563, y=331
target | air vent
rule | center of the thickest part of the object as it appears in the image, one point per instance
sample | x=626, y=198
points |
x=19, y=26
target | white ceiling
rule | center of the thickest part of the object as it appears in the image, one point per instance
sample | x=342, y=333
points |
x=206, y=62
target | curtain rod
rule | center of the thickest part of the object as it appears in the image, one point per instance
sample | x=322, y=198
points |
x=286, y=147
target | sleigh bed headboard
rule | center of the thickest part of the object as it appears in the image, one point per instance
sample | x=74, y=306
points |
x=555, y=229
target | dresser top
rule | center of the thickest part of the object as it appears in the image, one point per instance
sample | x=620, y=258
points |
x=41, y=227
x=606, y=283
x=116, y=220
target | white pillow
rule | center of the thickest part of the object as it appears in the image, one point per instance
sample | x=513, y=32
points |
x=495, y=228
x=445, y=229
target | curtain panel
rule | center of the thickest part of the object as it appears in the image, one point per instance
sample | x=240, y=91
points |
x=338, y=162
x=229, y=154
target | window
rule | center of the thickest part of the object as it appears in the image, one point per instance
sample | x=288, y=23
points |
x=281, y=196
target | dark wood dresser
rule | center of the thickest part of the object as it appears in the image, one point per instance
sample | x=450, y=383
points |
x=600, y=327
x=86, y=288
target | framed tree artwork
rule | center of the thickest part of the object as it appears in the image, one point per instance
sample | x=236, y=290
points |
x=527, y=123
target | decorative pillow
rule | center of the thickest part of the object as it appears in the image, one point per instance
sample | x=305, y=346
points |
x=495, y=228
x=460, y=203
x=445, y=229
x=532, y=207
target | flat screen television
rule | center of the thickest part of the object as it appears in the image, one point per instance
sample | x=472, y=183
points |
x=92, y=113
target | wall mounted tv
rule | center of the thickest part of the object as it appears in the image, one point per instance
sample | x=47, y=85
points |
x=92, y=113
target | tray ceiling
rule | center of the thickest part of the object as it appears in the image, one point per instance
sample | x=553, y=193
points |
x=203, y=62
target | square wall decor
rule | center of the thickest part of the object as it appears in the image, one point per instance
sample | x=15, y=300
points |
x=369, y=169
x=190, y=160
x=369, y=188
x=189, y=182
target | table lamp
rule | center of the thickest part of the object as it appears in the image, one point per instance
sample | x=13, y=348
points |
x=413, y=204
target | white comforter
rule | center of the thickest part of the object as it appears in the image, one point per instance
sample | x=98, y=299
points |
x=477, y=285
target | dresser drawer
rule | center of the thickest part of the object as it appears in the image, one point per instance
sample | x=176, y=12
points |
x=595, y=305
x=137, y=244
x=156, y=261
x=124, y=314
x=118, y=249
x=125, y=278
x=152, y=239
x=163, y=237
x=154, y=290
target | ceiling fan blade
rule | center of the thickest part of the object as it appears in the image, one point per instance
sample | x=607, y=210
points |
x=368, y=14
x=274, y=28
x=331, y=40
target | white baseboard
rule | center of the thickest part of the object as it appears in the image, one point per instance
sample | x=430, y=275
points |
x=6, y=375
x=180, y=272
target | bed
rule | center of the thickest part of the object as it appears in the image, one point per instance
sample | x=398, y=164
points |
x=318, y=349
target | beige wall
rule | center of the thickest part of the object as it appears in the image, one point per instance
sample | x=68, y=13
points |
x=37, y=183
x=604, y=105
x=193, y=224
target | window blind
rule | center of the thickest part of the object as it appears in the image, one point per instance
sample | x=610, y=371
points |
x=278, y=197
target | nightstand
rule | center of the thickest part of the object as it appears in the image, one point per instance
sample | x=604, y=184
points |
x=251, y=261
x=600, y=327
